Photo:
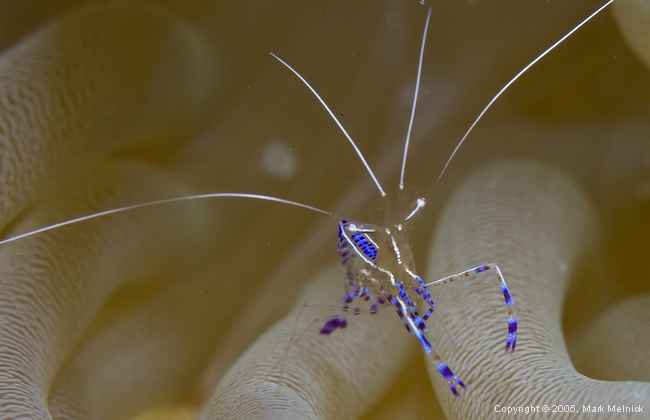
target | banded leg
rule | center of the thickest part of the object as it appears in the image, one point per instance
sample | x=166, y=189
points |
x=412, y=310
x=415, y=325
x=400, y=311
x=447, y=373
x=338, y=321
x=510, y=303
x=423, y=291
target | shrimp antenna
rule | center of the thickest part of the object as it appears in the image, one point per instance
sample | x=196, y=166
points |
x=415, y=101
x=356, y=149
x=165, y=201
x=525, y=69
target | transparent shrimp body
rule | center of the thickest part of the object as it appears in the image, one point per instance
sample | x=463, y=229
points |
x=380, y=270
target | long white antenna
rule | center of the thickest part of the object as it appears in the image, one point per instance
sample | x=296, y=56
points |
x=165, y=201
x=372, y=175
x=415, y=100
x=517, y=77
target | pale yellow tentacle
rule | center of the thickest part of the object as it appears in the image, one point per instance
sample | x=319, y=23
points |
x=543, y=232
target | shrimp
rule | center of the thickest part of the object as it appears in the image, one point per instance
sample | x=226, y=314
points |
x=356, y=268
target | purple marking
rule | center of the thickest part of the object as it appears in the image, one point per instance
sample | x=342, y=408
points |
x=351, y=280
x=453, y=389
x=510, y=345
x=428, y=314
x=450, y=377
x=426, y=295
x=428, y=348
x=344, y=253
x=506, y=294
x=512, y=327
x=366, y=247
x=482, y=268
x=406, y=298
x=397, y=307
x=332, y=324
x=422, y=328
x=413, y=312
x=512, y=336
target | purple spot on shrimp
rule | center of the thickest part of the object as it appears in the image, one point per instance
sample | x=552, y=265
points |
x=482, y=268
x=449, y=376
x=510, y=345
x=506, y=294
x=446, y=372
x=332, y=324
x=512, y=336
x=428, y=314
